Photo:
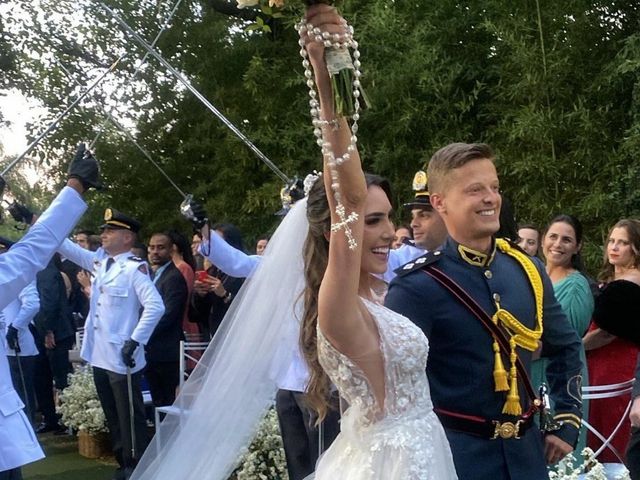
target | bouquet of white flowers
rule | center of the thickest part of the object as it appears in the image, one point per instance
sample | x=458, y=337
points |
x=264, y=459
x=591, y=469
x=348, y=95
x=80, y=407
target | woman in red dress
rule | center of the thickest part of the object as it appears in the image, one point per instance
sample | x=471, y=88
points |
x=611, y=359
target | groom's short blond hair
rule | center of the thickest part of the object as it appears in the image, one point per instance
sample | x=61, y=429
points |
x=454, y=155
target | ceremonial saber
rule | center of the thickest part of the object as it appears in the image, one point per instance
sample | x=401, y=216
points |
x=132, y=423
x=61, y=116
x=146, y=154
x=198, y=95
x=24, y=384
x=126, y=133
x=165, y=24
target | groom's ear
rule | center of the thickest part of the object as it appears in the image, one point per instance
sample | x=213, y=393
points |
x=438, y=203
x=327, y=236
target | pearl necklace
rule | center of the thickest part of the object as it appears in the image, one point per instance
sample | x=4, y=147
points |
x=339, y=45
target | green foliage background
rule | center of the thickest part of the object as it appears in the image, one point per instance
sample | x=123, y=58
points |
x=565, y=124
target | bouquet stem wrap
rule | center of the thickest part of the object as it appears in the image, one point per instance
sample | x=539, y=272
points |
x=340, y=66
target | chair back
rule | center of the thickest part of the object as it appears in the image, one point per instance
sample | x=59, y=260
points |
x=597, y=392
x=79, y=338
x=190, y=353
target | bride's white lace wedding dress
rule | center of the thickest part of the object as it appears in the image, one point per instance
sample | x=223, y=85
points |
x=404, y=440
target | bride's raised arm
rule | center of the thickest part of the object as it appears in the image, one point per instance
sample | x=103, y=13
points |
x=339, y=310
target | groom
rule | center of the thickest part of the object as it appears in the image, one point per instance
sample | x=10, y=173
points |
x=468, y=365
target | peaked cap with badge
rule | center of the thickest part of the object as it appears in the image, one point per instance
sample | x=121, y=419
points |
x=113, y=219
x=419, y=185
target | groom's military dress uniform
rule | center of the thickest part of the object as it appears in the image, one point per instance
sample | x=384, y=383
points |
x=486, y=443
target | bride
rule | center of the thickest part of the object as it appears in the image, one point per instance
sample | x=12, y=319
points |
x=375, y=357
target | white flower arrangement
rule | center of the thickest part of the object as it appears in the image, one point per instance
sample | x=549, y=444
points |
x=567, y=470
x=80, y=406
x=264, y=459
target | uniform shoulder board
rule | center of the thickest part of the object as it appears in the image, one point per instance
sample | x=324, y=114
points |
x=513, y=244
x=416, y=264
x=135, y=258
x=409, y=242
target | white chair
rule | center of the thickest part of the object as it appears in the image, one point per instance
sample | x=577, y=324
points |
x=74, y=354
x=596, y=392
x=79, y=338
x=188, y=351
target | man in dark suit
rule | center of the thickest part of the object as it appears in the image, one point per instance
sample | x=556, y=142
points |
x=55, y=334
x=162, y=351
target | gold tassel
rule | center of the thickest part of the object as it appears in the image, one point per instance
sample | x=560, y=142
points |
x=512, y=405
x=499, y=373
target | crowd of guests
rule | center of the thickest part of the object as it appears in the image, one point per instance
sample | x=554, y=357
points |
x=197, y=294
x=607, y=360
x=50, y=311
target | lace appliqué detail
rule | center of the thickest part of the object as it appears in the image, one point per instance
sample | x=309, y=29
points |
x=403, y=441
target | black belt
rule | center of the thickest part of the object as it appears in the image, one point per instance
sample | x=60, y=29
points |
x=485, y=428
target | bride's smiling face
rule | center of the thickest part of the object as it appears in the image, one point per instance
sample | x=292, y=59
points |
x=378, y=231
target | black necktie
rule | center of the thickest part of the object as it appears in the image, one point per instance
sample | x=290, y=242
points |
x=110, y=262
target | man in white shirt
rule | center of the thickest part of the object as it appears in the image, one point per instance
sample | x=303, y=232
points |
x=115, y=330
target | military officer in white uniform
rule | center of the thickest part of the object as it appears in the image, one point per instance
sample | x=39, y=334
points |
x=115, y=330
x=18, y=267
x=20, y=345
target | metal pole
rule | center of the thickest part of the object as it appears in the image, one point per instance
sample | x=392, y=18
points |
x=198, y=95
x=60, y=117
x=130, y=137
x=132, y=423
x=137, y=70
x=24, y=385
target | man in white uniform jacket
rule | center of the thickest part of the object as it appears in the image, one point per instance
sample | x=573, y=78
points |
x=115, y=329
x=15, y=319
x=18, y=268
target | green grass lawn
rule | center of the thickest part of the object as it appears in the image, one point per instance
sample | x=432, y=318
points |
x=63, y=462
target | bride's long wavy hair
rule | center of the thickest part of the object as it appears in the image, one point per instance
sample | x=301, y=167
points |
x=316, y=257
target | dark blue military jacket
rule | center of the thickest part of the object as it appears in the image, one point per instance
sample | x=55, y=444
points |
x=461, y=358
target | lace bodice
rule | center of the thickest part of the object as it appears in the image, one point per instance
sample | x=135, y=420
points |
x=404, y=349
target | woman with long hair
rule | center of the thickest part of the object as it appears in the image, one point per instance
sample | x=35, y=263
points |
x=529, y=239
x=375, y=357
x=323, y=289
x=561, y=246
x=611, y=359
x=183, y=259
x=214, y=291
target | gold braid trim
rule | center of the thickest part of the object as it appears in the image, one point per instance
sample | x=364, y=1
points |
x=521, y=336
x=569, y=418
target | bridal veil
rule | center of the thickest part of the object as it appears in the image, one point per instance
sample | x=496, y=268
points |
x=220, y=406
